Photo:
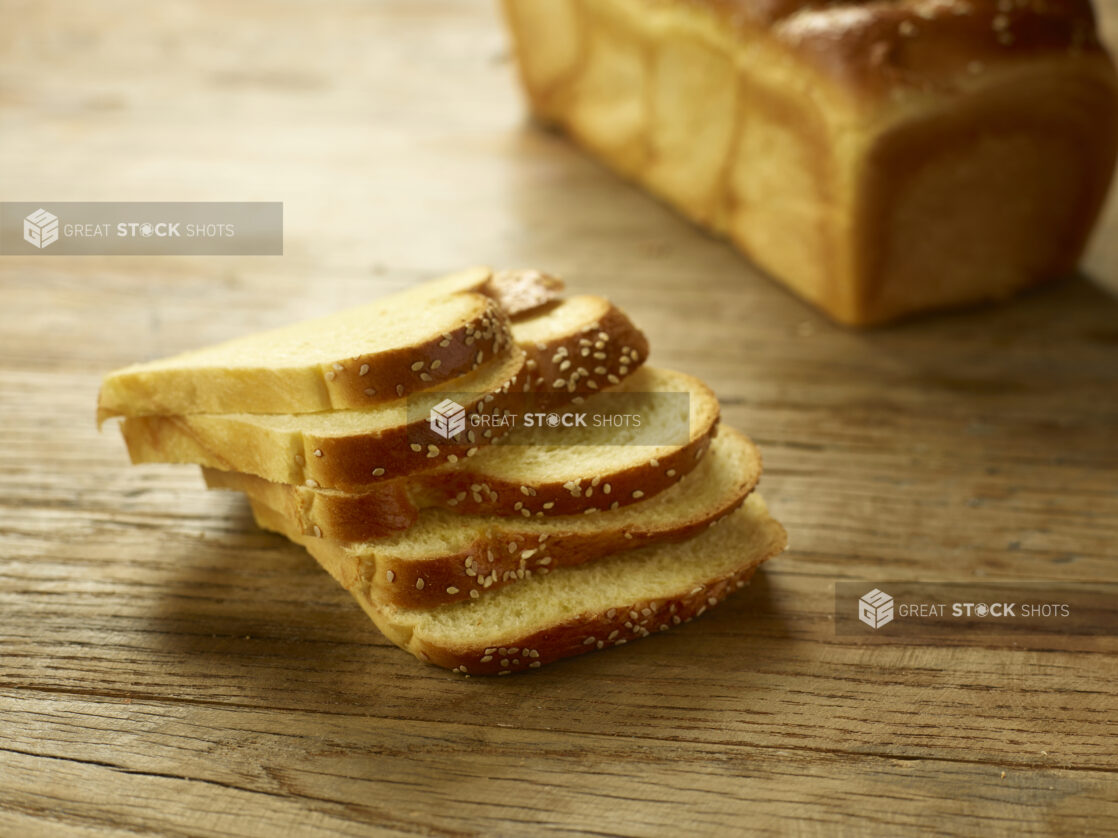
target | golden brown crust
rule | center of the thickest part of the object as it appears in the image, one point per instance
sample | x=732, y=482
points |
x=875, y=46
x=364, y=380
x=598, y=356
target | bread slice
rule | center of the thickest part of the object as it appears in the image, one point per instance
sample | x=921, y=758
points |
x=446, y=558
x=345, y=449
x=578, y=609
x=376, y=353
x=533, y=472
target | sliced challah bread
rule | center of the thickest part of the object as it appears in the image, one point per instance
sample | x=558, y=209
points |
x=541, y=472
x=445, y=558
x=378, y=444
x=581, y=608
x=405, y=343
x=342, y=449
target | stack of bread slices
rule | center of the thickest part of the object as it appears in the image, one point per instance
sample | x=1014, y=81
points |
x=498, y=548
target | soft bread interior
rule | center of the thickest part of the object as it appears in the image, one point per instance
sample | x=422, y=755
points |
x=662, y=571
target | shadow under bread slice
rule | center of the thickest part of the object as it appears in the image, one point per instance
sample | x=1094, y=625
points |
x=582, y=608
x=530, y=473
x=446, y=558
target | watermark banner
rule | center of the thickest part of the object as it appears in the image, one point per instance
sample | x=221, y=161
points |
x=938, y=609
x=609, y=418
x=107, y=228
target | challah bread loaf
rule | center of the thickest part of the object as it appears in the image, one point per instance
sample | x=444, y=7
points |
x=878, y=158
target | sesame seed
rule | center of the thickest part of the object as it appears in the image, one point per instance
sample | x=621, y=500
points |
x=487, y=658
x=419, y=583
x=370, y=391
x=364, y=370
x=671, y=472
x=589, y=641
x=312, y=483
x=417, y=366
x=391, y=576
x=436, y=364
x=654, y=463
x=638, y=494
x=318, y=452
x=613, y=379
x=330, y=376
x=399, y=389
x=416, y=447
x=534, y=664
x=527, y=554
x=338, y=367
x=317, y=531
x=474, y=593
x=452, y=590
x=559, y=383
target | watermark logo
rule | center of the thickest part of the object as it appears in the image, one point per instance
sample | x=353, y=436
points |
x=40, y=228
x=145, y=228
x=447, y=418
x=875, y=609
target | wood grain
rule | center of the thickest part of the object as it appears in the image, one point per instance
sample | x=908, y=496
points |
x=165, y=668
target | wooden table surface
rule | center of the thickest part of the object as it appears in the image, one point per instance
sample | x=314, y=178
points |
x=165, y=668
